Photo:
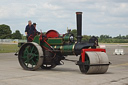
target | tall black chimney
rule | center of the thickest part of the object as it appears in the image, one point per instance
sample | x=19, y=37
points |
x=79, y=26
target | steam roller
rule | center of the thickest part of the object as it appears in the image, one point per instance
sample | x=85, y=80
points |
x=46, y=51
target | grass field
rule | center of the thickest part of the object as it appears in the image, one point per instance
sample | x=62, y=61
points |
x=8, y=48
x=115, y=43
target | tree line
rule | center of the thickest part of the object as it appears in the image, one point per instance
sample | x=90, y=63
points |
x=104, y=38
x=6, y=33
x=117, y=39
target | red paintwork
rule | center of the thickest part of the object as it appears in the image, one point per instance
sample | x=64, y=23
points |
x=52, y=34
x=92, y=50
x=41, y=37
x=46, y=47
x=30, y=38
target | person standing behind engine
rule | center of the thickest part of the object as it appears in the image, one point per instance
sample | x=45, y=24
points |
x=29, y=30
x=36, y=32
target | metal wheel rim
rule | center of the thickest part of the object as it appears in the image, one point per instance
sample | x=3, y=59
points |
x=30, y=56
x=84, y=68
x=94, y=58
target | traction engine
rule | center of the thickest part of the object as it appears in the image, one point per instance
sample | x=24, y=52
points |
x=47, y=51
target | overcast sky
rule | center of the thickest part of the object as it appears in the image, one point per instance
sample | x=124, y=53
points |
x=99, y=16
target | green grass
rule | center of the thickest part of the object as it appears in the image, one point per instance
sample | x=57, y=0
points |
x=8, y=48
x=115, y=43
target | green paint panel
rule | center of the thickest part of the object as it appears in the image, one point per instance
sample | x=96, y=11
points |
x=36, y=39
x=55, y=41
x=57, y=47
x=46, y=45
x=65, y=49
x=68, y=49
x=66, y=37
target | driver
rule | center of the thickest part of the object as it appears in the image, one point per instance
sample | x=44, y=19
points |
x=29, y=30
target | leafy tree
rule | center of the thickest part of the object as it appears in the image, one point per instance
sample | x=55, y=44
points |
x=74, y=31
x=5, y=31
x=23, y=37
x=44, y=32
x=86, y=38
x=105, y=36
x=16, y=35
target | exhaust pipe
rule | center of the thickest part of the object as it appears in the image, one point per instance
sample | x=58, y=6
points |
x=79, y=26
x=79, y=45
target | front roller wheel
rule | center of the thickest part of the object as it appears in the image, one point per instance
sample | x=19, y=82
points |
x=95, y=62
x=30, y=56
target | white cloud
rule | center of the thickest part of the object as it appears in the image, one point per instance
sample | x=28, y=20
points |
x=76, y=1
x=59, y=14
x=50, y=6
x=16, y=10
